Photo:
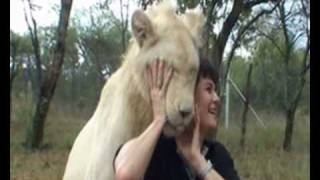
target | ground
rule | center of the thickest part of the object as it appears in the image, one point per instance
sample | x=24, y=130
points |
x=262, y=158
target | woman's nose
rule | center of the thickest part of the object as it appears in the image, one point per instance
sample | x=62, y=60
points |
x=216, y=98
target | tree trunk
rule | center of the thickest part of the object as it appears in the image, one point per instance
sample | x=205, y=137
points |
x=291, y=100
x=289, y=129
x=225, y=32
x=208, y=28
x=35, y=90
x=36, y=129
x=290, y=115
x=37, y=80
x=221, y=41
x=245, y=111
x=13, y=74
x=124, y=25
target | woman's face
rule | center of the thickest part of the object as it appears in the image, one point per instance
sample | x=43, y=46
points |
x=208, y=103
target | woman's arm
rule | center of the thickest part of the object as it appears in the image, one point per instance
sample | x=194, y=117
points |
x=135, y=155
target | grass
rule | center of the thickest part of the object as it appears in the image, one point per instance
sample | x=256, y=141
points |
x=61, y=128
x=262, y=158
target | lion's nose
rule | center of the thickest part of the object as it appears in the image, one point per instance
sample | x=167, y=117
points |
x=184, y=113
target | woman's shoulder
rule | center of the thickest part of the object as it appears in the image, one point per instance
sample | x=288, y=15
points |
x=221, y=159
x=215, y=147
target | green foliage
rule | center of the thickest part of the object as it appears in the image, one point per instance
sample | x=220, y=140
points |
x=92, y=52
x=63, y=125
x=238, y=73
x=22, y=43
x=268, y=76
x=264, y=145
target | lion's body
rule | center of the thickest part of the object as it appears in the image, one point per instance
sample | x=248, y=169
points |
x=94, y=141
x=124, y=109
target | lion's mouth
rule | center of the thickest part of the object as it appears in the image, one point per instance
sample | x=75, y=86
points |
x=175, y=128
x=178, y=127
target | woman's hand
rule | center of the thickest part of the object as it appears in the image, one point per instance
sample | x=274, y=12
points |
x=189, y=145
x=158, y=77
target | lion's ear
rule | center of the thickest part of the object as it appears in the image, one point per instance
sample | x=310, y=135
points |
x=141, y=26
x=194, y=20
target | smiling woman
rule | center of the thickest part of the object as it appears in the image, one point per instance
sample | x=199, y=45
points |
x=206, y=97
x=191, y=154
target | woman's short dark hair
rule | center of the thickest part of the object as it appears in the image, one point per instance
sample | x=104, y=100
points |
x=207, y=70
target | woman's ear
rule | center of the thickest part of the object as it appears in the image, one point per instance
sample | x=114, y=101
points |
x=141, y=26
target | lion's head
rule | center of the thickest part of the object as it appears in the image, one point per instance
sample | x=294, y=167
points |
x=161, y=32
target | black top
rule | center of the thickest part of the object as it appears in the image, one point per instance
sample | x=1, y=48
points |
x=167, y=164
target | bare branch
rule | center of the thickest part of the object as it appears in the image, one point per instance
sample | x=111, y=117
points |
x=273, y=41
x=242, y=32
x=250, y=4
x=296, y=37
x=304, y=9
x=35, y=44
x=226, y=30
x=208, y=25
x=305, y=65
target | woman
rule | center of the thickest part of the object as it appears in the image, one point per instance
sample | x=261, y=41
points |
x=152, y=156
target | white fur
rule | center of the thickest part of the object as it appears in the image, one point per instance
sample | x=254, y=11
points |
x=124, y=109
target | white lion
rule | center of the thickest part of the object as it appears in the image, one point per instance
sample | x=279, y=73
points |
x=124, y=109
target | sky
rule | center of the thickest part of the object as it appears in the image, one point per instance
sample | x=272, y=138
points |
x=46, y=15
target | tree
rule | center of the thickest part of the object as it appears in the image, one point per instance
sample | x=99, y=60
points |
x=219, y=12
x=33, y=30
x=293, y=21
x=35, y=131
x=238, y=8
x=21, y=64
x=100, y=43
x=124, y=24
x=292, y=97
x=246, y=107
x=14, y=61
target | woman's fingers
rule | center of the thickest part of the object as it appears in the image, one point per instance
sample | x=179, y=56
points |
x=196, y=132
x=148, y=73
x=160, y=73
x=167, y=78
x=154, y=72
x=196, y=114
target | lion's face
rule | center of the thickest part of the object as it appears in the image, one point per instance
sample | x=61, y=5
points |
x=167, y=36
x=180, y=94
x=179, y=52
